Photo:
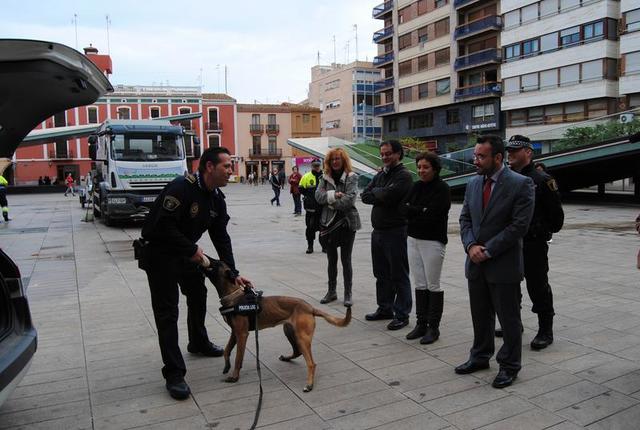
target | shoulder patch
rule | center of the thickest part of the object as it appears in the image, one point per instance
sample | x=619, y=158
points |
x=552, y=184
x=191, y=178
x=194, y=210
x=170, y=203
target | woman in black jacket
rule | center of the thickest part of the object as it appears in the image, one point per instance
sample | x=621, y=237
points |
x=427, y=206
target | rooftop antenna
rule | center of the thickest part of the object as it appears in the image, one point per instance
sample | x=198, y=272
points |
x=108, y=45
x=318, y=58
x=75, y=23
x=355, y=29
x=334, y=49
x=225, y=79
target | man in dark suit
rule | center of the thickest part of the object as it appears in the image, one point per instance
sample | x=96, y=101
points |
x=496, y=214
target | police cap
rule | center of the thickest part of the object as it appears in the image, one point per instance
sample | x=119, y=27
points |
x=518, y=141
x=316, y=162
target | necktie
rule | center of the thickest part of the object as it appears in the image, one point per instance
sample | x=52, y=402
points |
x=486, y=192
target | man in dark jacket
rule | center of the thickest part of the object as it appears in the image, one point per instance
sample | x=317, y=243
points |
x=308, y=184
x=389, y=237
x=548, y=218
x=186, y=208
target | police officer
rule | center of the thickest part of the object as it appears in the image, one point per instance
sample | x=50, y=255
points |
x=313, y=211
x=4, y=206
x=186, y=208
x=548, y=218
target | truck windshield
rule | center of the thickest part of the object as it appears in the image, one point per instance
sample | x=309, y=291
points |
x=146, y=147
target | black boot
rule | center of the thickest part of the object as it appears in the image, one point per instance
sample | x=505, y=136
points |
x=309, y=247
x=422, y=303
x=6, y=216
x=434, y=315
x=347, y=296
x=544, y=337
x=331, y=294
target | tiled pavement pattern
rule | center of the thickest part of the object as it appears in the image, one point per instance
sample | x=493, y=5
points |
x=98, y=363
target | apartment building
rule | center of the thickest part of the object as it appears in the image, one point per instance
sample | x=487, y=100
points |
x=568, y=61
x=263, y=130
x=440, y=60
x=345, y=95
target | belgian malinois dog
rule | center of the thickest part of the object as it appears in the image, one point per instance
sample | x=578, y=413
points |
x=296, y=315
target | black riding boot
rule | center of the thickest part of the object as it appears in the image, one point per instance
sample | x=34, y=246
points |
x=434, y=315
x=347, y=296
x=422, y=304
x=309, y=247
x=544, y=337
x=331, y=294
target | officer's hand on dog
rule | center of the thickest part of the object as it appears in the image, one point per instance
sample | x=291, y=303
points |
x=243, y=282
x=199, y=257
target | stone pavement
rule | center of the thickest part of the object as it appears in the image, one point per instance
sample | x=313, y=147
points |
x=98, y=363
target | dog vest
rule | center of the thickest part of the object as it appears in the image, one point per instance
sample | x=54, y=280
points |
x=248, y=305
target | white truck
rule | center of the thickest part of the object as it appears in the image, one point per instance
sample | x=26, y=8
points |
x=134, y=160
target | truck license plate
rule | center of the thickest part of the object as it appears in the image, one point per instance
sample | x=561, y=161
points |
x=148, y=199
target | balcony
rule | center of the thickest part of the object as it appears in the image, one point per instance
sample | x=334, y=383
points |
x=273, y=129
x=256, y=129
x=473, y=28
x=213, y=126
x=487, y=56
x=382, y=9
x=381, y=60
x=459, y=3
x=383, y=34
x=60, y=155
x=482, y=90
x=265, y=152
x=383, y=84
x=384, y=109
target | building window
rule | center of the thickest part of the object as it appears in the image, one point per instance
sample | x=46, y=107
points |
x=442, y=27
x=570, y=36
x=548, y=79
x=591, y=71
x=512, y=19
x=443, y=86
x=423, y=91
x=333, y=104
x=423, y=34
x=568, y=4
x=517, y=117
x=214, y=141
x=256, y=144
x=632, y=63
x=273, y=144
x=255, y=119
x=632, y=20
x=530, y=47
x=393, y=124
x=154, y=112
x=596, y=108
x=442, y=57
x=331, y=85
x=332, y=124
x=405, y=68
x=306, y=118
x=405, y=94
x=511, y=85
x=483, y=113
x=404, y=15
x=569, y=75
x=271, y=118
x=404, y=41
x=529, y=82
x=536, y=115
x=548, y=7
x=574, y=111
x=512, y=52
x=124, y=113
x=423, y=62
x=422, y=7
x=549, y=42
x=595, y=29
x=92, y=115
x=530, y=13
x=440, y=3
x=421, y=121
x=453, y=116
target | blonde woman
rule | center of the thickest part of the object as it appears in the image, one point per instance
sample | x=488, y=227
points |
x=339, y=220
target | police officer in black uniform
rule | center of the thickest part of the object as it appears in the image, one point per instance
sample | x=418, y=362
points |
x=186, y=208
x=548, y=218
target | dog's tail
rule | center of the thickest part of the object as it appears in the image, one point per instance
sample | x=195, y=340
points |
x=338, y=322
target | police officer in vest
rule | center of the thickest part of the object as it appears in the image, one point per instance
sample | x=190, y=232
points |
x=548, y=218
x=187, y=207
x=313, y=211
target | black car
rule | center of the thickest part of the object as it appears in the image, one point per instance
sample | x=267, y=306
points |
x=37, y=80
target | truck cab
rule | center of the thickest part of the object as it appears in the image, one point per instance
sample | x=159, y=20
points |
x=134, y=160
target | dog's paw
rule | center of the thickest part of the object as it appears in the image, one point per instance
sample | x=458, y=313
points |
x=307, y=388
x=227, y=366
x=231, y=379
x=283, y=358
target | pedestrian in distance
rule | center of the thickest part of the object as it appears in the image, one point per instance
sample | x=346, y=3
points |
x=427, y=206
x=385, y=193
x=294, y=189
x=276, y=186
x=496, y=214
x=308, y=184
x=4, y=204
x=69, y=182
x=169, y=254
x=339, y=220
x=548, y=218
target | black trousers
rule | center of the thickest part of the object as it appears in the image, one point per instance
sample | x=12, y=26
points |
x=391, y=270
x=276, y=195
x=164, y=280
x=312, y=220
x=536, y=270
x=345, y=258
x=488, y=300
x=3, y=197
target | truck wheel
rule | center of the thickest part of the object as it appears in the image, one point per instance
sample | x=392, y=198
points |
x=108, y=221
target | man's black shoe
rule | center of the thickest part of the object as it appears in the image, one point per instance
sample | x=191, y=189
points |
x=504, y=378
x=397, y=324
x=541, y=341
x=309, y=250
x=178, y=389
x=377, y=316
x=209, y=350
x=470, y=367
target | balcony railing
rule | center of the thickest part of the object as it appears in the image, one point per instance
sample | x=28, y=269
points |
x=60, y=155
x=384, y=109
x=256, y=128
x=382, y=9
x=491, y=55
x=383, y=34
x=213, y=126
x=460, y=3
x=383, y=84
x=273, y=129
x=487, y=89
x=491, y=22
x=265, y=152
x=382, y=59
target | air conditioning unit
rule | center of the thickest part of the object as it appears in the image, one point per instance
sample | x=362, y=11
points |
x=625, y=118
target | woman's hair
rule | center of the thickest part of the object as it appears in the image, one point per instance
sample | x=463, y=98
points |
x=432, y=158
x=346, y=161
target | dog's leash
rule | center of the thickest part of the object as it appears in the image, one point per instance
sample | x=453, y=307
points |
x=259, y=407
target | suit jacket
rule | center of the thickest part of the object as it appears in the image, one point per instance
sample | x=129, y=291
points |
x=500, y=227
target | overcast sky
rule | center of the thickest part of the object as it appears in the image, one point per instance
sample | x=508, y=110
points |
x=267, y=46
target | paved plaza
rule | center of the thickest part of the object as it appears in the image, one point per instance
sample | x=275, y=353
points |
x=98, y=362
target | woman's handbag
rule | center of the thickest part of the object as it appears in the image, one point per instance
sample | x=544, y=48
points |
x=333, y=234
